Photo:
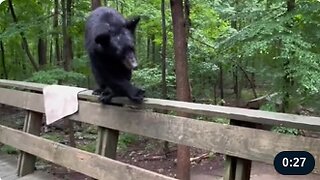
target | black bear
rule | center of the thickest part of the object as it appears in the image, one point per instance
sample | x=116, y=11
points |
x=109, y=41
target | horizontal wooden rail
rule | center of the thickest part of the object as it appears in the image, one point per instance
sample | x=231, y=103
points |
x=248, y=115
x=93, y=165
x=247, y=143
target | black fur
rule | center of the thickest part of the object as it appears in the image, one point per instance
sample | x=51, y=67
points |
x=109, y=41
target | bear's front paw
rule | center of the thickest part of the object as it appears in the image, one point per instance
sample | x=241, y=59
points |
x=106, y=92
x=138, y=99
x=139, y=96
x=140, y=92
x=105, y=99
x=97, y=91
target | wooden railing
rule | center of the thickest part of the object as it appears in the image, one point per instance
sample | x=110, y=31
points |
x=241, y=144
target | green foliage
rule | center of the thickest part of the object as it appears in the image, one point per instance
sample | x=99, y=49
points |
x=126, y=139
x=274, y=37
x=150, y=80
x=58, y=76
x=81, y=65
x=53, y=137
x=8, y=149
x=285, y=130
x=89, y=146
x=269, y=107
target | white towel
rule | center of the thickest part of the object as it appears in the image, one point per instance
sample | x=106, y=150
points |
x=60, y=101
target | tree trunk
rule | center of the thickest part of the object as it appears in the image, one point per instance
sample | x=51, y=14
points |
x=24, y=40
x=42, y=52
x=287, y=78
x=221, y=81
x=67, y=42
x=187, y=16
x=250, y=81
x=64, y=32
x=50, y=52
x=164, y=51
x=67, y=55
x=148, y=48
x=121, y=8
x=153, y=50
x=291, y=5
x=96, y=3
x=182, y=79
x=253, y=76
x=56, y=36
x=164, y=64
x=3, y=62
x=117, y=5
x=215, y=92
x=236, y=87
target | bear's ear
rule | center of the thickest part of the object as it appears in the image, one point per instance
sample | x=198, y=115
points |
x=103, y=39
x=132, y=23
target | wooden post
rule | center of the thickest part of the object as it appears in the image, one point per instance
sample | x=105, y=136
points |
x=32, y=125
x=107, y=142
x=230, y=168
x=238, y=168
x=243, y=169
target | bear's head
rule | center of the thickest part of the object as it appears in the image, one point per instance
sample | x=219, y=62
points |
x=118, y=42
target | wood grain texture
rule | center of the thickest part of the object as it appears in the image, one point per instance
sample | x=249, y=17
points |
x=243, y=169
x=32, y=125
x=254, y=116
x=247, y=143
x=230, y=165
x=93, y=165
x=107, y=142
x=239, y=169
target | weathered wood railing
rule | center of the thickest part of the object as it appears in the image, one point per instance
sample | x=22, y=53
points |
x=241, y=144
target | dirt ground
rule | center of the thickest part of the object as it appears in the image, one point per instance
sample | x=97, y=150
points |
x=147, y=153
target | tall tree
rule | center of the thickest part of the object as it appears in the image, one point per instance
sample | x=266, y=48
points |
x=164, y=51
x=67, y=42
x=287, y=78
x=164, y=62
x=182, y=79
x=57, y=36
x=3, y=62
x=235, y=74
x=221, y=84
x=153, y=48
x=42, y=52
x=187, y=15
x=96, y=3
x=25, y=44
x=67, y=55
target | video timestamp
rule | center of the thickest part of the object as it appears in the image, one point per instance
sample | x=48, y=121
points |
x=294, y=163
